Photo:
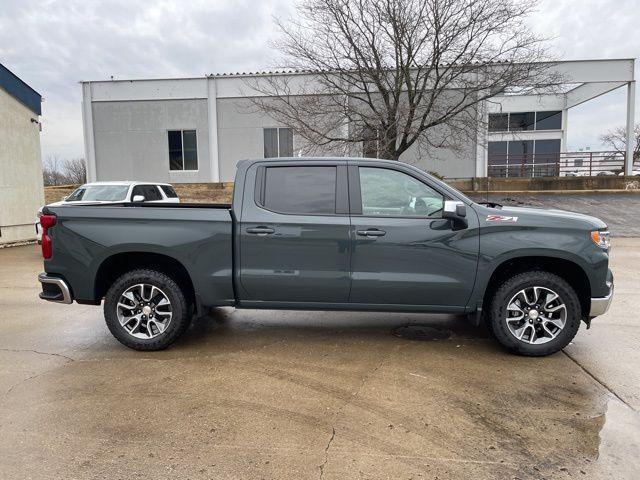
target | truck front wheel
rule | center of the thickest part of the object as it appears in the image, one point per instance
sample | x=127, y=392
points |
x=535, y=313
x=146, y=310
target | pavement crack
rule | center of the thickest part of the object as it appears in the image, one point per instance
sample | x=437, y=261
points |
x=32, y=377
x=364, y=381
x=10, y=389
x=340, y=410
x=16, y=350
x=326, y=452
x=598, y=381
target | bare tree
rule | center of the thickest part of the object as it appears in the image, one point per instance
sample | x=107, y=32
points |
x=52, y=171
x=398, y=73
x=59, y=171
x=75, y=170
x=616, y=140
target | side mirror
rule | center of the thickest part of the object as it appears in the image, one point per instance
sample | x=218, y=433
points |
x=138, y=198
x=64, y=198
x=455, y=211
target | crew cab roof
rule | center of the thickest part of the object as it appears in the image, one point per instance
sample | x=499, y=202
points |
x=243, y=165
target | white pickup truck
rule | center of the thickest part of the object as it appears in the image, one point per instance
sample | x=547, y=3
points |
x=115, y=192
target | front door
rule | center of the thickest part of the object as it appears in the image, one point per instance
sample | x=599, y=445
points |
x=403, y=251
x=294, y=233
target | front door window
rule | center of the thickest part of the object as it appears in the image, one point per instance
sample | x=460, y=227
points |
x=388, y=192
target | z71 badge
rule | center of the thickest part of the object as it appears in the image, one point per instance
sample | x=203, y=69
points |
x=501, y=218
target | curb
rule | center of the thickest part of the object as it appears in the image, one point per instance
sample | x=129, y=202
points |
x=18, y=243
x=536, y=192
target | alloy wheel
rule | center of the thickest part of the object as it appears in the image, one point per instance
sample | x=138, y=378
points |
x=144, y=311
x=536, y=315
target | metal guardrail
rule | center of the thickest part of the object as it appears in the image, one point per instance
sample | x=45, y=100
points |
x=563, y=164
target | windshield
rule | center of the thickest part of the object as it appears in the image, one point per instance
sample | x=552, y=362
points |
x=99, y=193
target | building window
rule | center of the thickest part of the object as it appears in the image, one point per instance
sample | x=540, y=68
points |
x=370, y=142
x=521, y=149
x=521, y=121
x=183, y=150
x=549, y=120
x=300, y=190
x=547, y=151
x=523, y=158
x=497, y=153
x=498, y=122
x=525, y=121
x=278, y=142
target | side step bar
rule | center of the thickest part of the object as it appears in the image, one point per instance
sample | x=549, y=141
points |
x=54, y=289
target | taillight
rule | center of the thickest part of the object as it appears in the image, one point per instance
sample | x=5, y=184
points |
x=46, y=222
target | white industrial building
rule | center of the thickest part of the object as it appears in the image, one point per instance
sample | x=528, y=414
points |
x=197, y=129
x=21, y=190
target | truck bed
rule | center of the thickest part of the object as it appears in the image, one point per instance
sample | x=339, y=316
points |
x=90, y=238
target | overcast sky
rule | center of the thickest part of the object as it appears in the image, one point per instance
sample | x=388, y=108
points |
x=54, y=44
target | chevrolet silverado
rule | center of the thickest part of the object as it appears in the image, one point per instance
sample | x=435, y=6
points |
x=331, y=234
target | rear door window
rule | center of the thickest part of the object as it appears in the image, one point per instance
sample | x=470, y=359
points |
x=149, y=192
x=169, y=191
x=300, y=190
x=152, y=193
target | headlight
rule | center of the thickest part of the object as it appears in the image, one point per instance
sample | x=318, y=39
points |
x=602, y=238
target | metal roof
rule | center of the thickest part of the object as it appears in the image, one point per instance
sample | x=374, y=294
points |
x=20, y=90
x=261, y=73
x=303, y=71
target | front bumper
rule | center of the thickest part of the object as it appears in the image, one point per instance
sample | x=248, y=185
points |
x=54, y=289
x=600, y=305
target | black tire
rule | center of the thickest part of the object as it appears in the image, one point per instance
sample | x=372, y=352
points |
x=178, y=323
x=497, y=319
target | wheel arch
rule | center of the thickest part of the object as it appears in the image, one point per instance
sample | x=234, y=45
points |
x=570, y=271
x=120, y=263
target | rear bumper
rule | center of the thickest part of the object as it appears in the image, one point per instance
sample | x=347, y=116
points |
x=600, y=305
x=54, y=289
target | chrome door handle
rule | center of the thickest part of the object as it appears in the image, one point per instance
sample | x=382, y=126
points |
x=262, y=231
x=371, y=232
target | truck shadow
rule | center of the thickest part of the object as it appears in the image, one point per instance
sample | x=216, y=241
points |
x=223, y=325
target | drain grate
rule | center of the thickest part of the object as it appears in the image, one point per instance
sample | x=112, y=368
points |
x=421, y=332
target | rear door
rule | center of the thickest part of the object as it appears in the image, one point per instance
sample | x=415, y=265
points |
x=403, y=252
x=294, y=233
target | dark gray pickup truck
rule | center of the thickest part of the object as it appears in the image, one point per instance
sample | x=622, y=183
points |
x=331, y=233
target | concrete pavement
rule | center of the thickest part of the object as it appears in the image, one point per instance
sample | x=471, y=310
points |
x=269, y=394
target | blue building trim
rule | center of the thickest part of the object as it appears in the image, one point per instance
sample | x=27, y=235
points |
x=20, y=90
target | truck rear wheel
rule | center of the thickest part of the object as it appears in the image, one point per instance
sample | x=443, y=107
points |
x=535, y=313
x=146, y=310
